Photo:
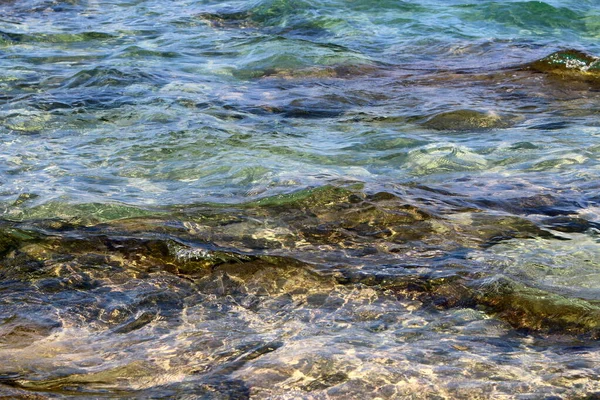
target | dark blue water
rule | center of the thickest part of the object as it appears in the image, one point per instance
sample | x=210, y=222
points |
x=299, y=199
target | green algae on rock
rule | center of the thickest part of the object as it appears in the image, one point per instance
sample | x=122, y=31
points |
x=538, y=310
x=80, y=214
x=467, y=120
x=244, y=275
x=244, y=315
x=524, y=307
x=568, y=64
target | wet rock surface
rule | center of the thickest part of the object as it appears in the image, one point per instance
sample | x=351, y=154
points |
x=572, y=64
x=467, y=120
x=240, y=302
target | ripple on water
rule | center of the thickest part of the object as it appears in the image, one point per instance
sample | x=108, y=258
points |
x=291, y=199
x=444, y=158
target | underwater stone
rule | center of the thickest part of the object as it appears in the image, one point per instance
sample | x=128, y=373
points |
x=74, y=383
x=521, y=306
x=136, y=323
x=465, y=120
x=320, y=196
x=11, y=239
x=340, y=71
x=564, y=60
x=572, y=64
x=570, y=224
x=18, y=332
x=442, y=293
x=537, y=310
x=27, y=122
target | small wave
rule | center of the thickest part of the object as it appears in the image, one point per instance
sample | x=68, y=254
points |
x=106, y=76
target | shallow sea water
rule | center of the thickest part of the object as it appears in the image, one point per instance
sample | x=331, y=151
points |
x=299, y=199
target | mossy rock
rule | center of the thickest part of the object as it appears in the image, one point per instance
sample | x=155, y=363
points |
x=467, y=120
x=565, y=60
x=523, y=307
x=11, y=238
x=569, y=64
x=442, y=293
x=339, y=71
x=538, y=310
x=309, y=198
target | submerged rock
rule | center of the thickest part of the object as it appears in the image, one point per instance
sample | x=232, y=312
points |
x=339, y=71
x=442, y=293
x=273, y=246
x=341, y=218
x=127, y=372
x=538, y=310
x=467, y=120
x=524, y=307
x=19, y=332
x=237, y=20
x=568, y=64
x=196, y=312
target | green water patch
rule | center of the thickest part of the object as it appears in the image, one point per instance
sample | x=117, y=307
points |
x=535, y=16
x=10, y=38
x=81, y=214
x=266, y=13
x=390, y=6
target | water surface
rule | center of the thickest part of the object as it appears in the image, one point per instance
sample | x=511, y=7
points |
x=299, y=199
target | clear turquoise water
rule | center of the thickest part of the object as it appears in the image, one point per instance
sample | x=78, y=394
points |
x=283, y=199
